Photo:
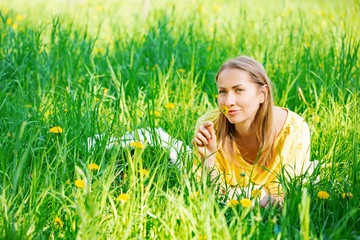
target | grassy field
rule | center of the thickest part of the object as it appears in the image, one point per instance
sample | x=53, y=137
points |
x=92, y=67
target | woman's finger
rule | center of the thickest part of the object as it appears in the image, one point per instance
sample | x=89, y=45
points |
x=210, y=127
x=202, y=138
x=199, y=143
x=271, y=200
x=265, y=201
x=274, y=202
x=205, y=132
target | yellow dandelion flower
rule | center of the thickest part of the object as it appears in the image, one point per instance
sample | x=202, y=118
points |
x=144, y=172
x=347, y=195
x=323, y=195
x=93, y=166
x=308, y=44
x=19, y=17
x=256, y=193
x=136, y=144
x=28, y=106
x=58, y=221
x=65, y=110
x=125, y=175
x=79, y=183
x=169, y=106
x=232, y=202
x=215, y=7
x=185, y=75
x=216, y=96
x=68, y=181
x=195, y=195
x=155, y=66
x=245, y=202
x=317, y=119
x=354, y=76
x=9, y=94
x=225, y=110
x=56, y=130
x=47, y=113
x=106, y=91
x=156, y=113
x=181, y=70
x=203, y=237
x=123, y=197
x=96, y=99
x=9, y=21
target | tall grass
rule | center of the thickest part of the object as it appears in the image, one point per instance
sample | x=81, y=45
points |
x=99, y=67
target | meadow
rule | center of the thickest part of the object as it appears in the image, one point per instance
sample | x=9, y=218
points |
x=72, y=69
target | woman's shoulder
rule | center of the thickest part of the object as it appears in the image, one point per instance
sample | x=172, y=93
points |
x=296, y=119
x=294, y=123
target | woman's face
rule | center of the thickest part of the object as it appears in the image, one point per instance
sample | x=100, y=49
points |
x=241, y=95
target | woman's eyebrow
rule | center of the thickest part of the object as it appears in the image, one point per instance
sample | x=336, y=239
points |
x=239, y=85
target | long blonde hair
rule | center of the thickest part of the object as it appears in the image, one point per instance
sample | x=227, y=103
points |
x=263, y=123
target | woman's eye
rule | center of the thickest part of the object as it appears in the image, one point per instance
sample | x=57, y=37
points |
x=239, y=90
x=222, y=92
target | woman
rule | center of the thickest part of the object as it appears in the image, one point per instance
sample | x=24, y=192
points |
x=251, y=140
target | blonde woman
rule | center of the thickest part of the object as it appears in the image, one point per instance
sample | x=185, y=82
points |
x=251, y=140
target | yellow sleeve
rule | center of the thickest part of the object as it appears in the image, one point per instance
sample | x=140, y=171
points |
x=294, y=157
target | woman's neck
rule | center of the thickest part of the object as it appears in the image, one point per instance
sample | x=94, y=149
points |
x=245, y=131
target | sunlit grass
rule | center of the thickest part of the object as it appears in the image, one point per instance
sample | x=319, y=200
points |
x=97, y=67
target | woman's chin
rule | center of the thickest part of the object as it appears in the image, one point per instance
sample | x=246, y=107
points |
x=232, y=120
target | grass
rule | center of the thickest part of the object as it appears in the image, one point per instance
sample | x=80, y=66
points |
x=100, y=67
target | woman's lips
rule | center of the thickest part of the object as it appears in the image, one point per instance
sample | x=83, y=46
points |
x=233, y=112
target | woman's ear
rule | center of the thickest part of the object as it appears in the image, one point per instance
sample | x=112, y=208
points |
x=264, y=90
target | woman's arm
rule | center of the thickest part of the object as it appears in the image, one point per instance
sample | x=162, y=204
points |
x=206, y=145
x=294, y=158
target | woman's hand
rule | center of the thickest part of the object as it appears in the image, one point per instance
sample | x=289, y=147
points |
x=205, y=140
x=271, y=200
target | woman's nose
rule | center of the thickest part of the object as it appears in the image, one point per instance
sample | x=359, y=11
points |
x=230, y=99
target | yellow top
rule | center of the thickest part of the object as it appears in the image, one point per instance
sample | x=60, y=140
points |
x=292, y=150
